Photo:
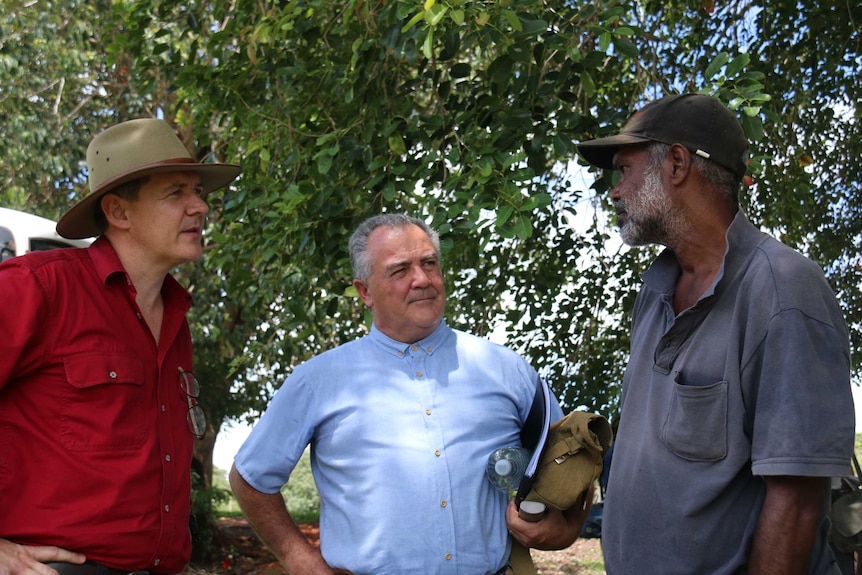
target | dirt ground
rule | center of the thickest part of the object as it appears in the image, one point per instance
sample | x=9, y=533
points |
x=245, y=555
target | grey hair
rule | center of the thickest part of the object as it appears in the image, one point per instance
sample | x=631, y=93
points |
x=360, y=259
x=716, y=174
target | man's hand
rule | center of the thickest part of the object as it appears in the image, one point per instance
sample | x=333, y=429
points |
x=28, y=560
x=556, y=530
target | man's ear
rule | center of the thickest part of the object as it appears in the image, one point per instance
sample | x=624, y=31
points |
x=680, y=158
x=114, y=209
x=362, y=289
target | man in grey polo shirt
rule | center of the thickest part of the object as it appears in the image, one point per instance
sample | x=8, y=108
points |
x=736, y=404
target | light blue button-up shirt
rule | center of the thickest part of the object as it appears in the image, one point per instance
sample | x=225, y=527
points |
x=400, y=437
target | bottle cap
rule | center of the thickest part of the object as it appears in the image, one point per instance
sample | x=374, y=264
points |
x=503, y=467
x=531, y=511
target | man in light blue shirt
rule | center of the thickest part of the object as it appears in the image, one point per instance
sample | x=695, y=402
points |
x=401, y=423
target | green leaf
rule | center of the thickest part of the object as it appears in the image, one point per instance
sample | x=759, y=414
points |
x=612, y=14
x=737, y=64
x=324, y=163
x=396, y=144
x=604, y=41
x=513, y=19
x=532, y=27
x=587, y=84
x=626, y=47
x=524, y=227
x=500, y=71
x=460, y=70
x=435, y=14
x=427, y=45
x=418, y=17
x=716, y=64
x=504, y=213
x=389, y=191
x=536, y=201
x=753, y=127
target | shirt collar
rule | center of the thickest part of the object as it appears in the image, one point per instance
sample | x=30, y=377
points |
x=105, y=259
x=741, y=238
x=428, y=345
x=108, y=265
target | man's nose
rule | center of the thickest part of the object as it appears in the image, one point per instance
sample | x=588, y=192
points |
x=615, y=192
x=419, y=277
x=197, y=205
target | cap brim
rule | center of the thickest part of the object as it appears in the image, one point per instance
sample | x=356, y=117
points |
x=600, y=153
x=79, y=221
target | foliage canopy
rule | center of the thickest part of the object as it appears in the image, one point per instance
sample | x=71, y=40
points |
x=465, y=113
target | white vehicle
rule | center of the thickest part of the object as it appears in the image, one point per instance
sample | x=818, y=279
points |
x=21, y=233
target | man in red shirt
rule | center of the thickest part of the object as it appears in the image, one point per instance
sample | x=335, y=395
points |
x=98, y=402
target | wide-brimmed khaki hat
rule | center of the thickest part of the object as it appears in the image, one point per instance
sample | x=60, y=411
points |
x=132, y=150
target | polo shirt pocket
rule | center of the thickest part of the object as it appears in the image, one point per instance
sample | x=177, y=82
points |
x=696, y=423
x=103, y=403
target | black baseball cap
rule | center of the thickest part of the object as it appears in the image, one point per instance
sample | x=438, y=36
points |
x=700, y=123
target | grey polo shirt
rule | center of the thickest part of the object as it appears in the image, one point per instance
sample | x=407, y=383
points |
x=753, y=380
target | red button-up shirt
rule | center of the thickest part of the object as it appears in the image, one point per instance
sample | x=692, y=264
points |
x=95, y=449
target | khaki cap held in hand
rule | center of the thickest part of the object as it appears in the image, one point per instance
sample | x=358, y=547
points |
x=132, y=150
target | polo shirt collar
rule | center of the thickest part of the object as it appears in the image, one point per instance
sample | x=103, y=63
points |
x=427, y=345
x=744, y=238
x=740, y=239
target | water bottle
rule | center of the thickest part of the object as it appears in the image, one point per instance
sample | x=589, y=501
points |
x=506, y=467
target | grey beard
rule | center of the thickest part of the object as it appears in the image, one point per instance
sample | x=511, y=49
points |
x=654, y=218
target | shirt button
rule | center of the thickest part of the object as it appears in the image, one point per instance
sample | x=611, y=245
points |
x=428, y=350
x=163, y=408
x=400, y=353
x=448, y=557
x=139, y=315
x=427, y=412
x=414, y=347
x=443, y=503
x=112, y=374
x=437, y=452
x=156, y=562
x=167, y=457
x=167, y=508
x=418, y=374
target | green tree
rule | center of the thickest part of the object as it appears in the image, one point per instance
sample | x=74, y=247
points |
x=462, y=112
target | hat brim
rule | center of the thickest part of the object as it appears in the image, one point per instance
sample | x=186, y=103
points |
x=600, y=153
x=80, y=222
